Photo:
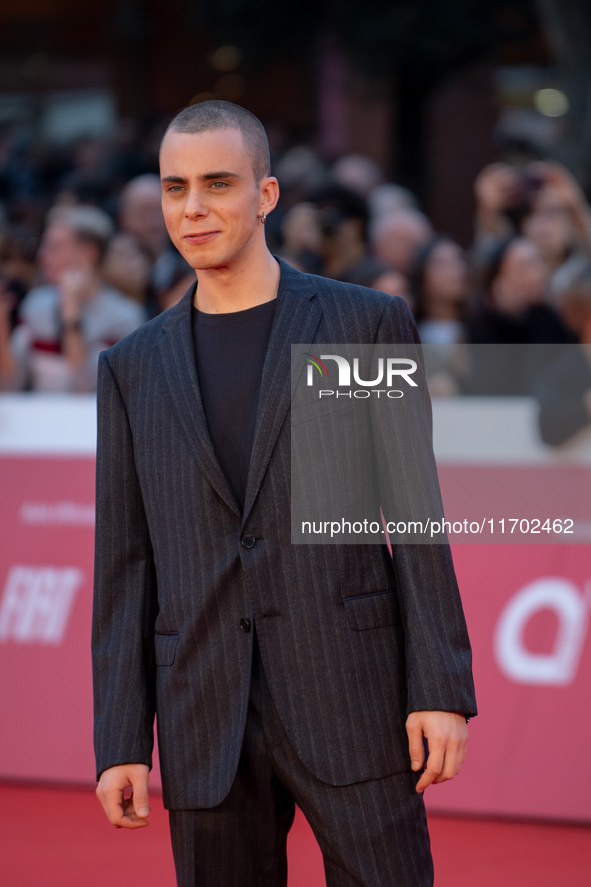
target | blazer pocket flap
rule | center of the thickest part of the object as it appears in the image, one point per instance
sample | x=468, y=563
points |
x=165, y=646
x=373, y=610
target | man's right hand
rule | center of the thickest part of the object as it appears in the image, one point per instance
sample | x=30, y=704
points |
x=125, y=809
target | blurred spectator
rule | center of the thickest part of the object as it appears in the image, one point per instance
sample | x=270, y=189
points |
x=301, y=238
x=140, y=214
x=89, y=180
x=86, y=187
x=575, y=304
x=127, y=267
x=378, y=276
x=12, y=294
x=7, y=305
x=439, y=282
x=65, y=322
x=299, y=172
x=358, y=173
x=513, y=292
x=395, y=238
x=18, y=268
x=559, y=223
x=388, y=199
x=341, y=219
x=512, y=311
x=563, y=389
x=502, y=193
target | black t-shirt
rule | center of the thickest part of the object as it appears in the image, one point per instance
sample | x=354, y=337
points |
x=230, y=352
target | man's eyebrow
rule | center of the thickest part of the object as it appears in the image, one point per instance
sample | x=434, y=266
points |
x=206, y=177
x=224, y=174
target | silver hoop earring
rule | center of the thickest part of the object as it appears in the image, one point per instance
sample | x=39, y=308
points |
x=263, y=218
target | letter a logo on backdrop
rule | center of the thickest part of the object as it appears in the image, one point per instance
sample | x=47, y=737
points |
x=37, y=602
x=558, y=667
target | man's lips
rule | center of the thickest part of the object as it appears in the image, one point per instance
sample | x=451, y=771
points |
x=199, y=236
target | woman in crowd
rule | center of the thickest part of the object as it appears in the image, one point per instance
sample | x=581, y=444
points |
x=439, y=287
x=439, y=283
x=512, y=311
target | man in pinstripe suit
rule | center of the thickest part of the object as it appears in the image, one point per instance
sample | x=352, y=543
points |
x=280, y=673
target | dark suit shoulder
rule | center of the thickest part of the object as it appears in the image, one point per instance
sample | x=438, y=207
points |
x=357, y=310
x=365, y=310
x=349, y=292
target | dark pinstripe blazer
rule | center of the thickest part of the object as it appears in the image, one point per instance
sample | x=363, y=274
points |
x=351, y=640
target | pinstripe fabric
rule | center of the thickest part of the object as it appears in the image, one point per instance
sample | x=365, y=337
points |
x=172, y=580
x=253, y=819
x=372, y=834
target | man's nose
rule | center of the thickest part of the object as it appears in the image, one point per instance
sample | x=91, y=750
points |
x=195, y=206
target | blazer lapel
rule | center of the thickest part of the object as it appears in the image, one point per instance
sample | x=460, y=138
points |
x=297, y=316
x=178, y=358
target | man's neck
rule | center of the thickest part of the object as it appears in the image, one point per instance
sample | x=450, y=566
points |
x=244, y=285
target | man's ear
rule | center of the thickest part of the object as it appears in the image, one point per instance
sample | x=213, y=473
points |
x=269, y=188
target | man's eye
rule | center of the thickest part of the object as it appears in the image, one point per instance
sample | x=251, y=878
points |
x=172, y=188
x=218, y=185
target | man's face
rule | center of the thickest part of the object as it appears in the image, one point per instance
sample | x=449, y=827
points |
x=210, y=200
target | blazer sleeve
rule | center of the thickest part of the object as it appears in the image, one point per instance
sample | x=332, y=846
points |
x=437, y=647
x=125, y=597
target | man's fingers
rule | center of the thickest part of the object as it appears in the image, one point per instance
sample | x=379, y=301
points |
x=141, y=803
x=447, y=738
x=111, y=803
x=443, y=763
x=125, y=812
x=130, y=818
x=416, y=749
x=120, y=810
x=435, y=763
x=455, y=753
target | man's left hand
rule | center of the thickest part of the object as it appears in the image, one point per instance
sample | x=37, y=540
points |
x=447, y=737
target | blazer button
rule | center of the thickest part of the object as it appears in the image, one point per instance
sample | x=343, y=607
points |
x=248, y=541
x=245, y=624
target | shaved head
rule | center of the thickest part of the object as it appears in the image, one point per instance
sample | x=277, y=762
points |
x=215, y=115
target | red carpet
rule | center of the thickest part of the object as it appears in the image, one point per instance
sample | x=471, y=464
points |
x=59, y=838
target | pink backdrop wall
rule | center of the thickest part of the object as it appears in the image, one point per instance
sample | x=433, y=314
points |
x=527, y=608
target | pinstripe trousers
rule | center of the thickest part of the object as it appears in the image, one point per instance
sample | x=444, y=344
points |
x=371, y=834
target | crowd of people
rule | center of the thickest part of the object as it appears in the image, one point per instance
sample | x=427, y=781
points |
x=85, y=258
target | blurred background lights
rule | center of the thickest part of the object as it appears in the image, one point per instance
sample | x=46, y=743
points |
x=551, y=102
x=230, y=87
x=226, y=58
